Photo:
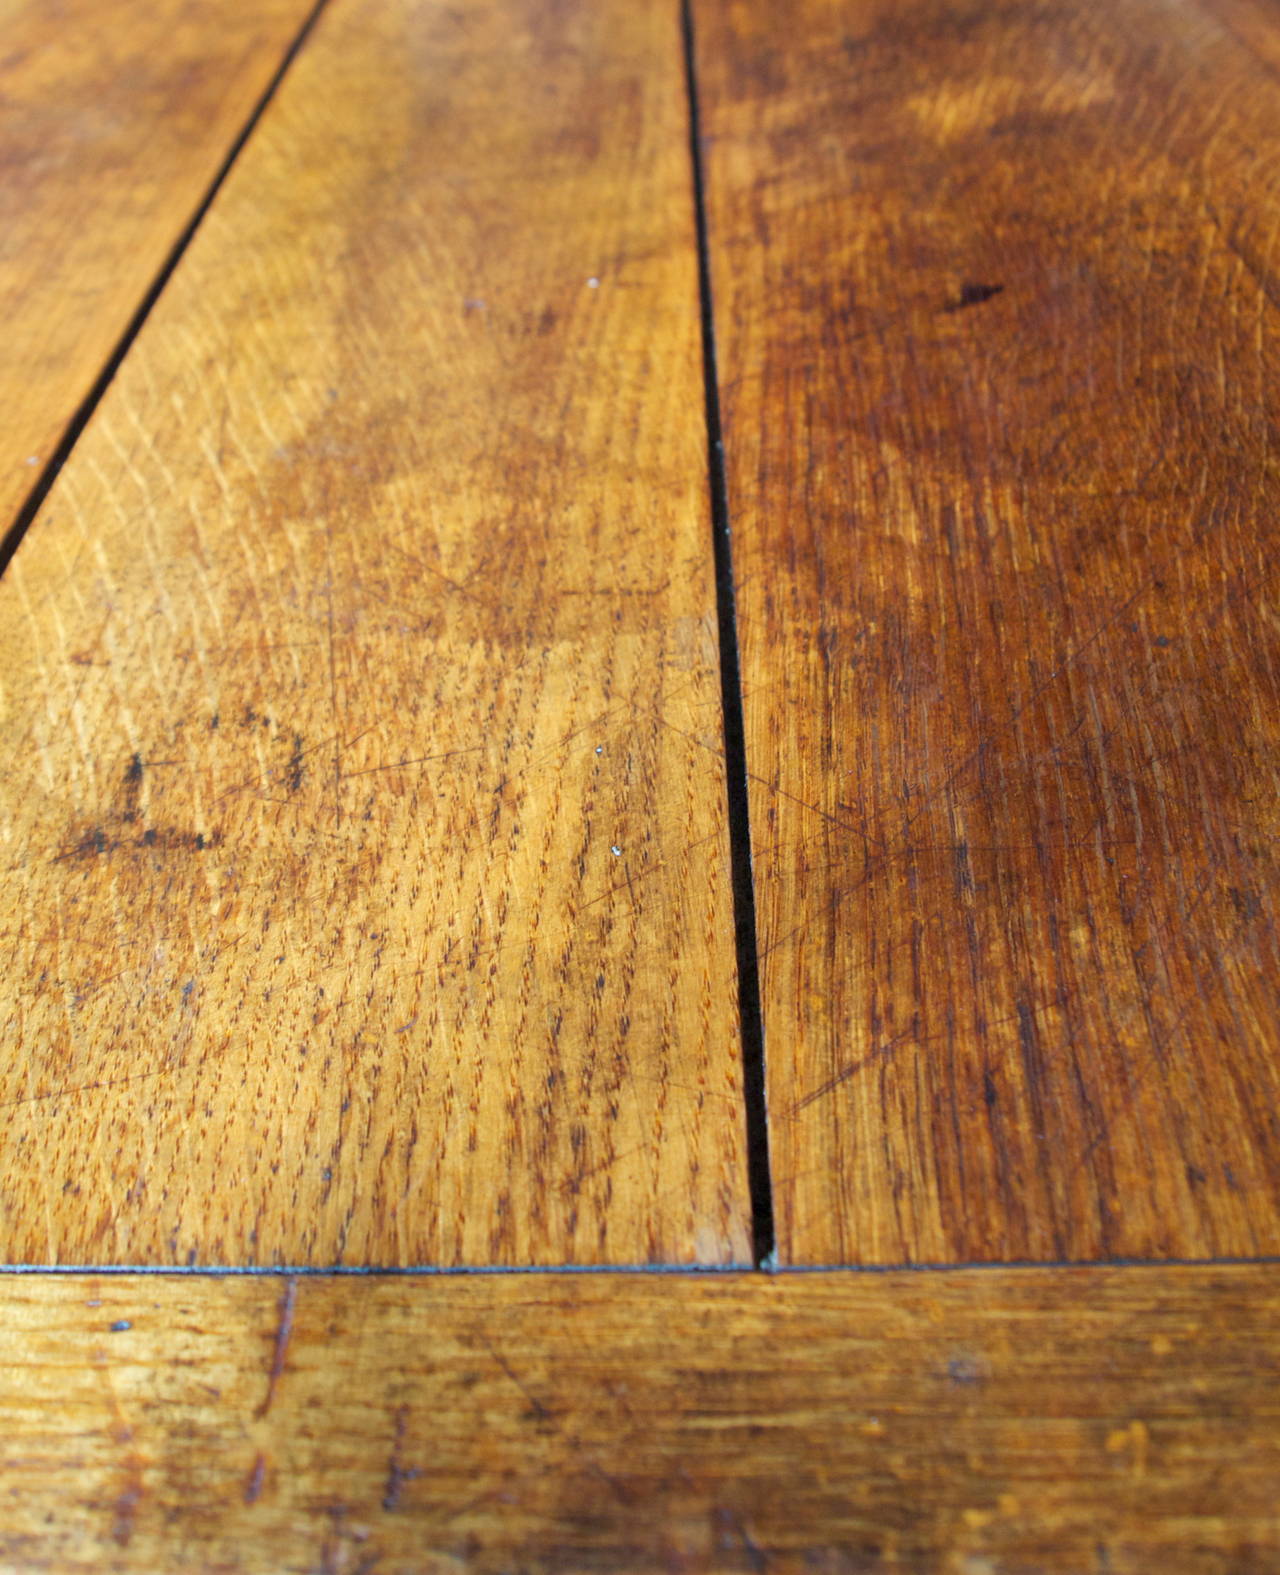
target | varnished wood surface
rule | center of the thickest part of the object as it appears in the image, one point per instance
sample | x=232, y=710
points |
x=366, y=893
x=114, y=119
x=1088, y=1422
x=996, y=303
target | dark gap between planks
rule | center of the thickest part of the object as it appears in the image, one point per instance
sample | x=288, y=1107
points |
x=71, y=436
x=759, y=1178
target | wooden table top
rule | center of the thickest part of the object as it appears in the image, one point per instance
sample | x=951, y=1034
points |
x=640, y=687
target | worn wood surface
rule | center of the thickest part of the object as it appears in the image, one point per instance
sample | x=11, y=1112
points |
x=1100, y=1420
x=366, y=881
x=996, y=308
x=114, y=119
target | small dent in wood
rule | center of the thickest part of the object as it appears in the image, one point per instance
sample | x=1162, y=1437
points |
x=964, y=1370
x=972, y=294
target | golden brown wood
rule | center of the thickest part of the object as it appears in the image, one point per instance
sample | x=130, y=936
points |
x=996, y=310
x=114, y=120
x=983, y=1423
x=367, y=894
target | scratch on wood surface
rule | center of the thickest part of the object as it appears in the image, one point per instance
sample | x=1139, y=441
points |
x=540, y=1411
x=256, y=1478
x=908, y=1035
x=280, y=1350
x=398, y=1474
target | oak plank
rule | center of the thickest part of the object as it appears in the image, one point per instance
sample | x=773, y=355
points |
x=1042, y=1420
x=996, y=309
x=114, y=120
x=366, y=891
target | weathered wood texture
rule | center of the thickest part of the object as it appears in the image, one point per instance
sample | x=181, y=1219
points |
x=366, y=893
x=996, y=310
x=977, y=1422
x=114, y=120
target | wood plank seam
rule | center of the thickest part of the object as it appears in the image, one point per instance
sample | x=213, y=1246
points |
x=751, y=1020
x=768, y=1269
x=71, y=436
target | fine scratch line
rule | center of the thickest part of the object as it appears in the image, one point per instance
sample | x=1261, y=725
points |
x=284, y=1332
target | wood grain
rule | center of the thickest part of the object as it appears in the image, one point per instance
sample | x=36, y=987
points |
x=987, y=1421
x=114, y=121
x=366, y=892
x=996, y=307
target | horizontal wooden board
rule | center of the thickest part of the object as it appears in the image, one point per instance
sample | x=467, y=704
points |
x=996, y=306
x=366, y=891
x=1105, y=1421
x=114, y=120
